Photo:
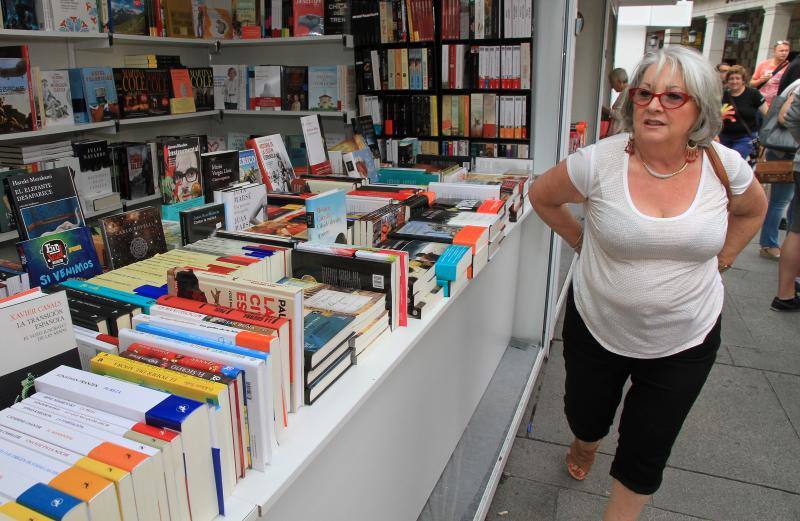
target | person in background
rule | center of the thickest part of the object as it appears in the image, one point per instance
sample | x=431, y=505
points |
x=619, y=82
x=791, y=74
x=739, y=131
x=647, y=294
x=768, y=73
x=787, y=298
x=722, y=70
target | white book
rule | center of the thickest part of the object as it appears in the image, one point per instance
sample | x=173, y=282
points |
x=515, y=67
x=256, y=373
x=520, y=117
x=72, y=16
x=480, y=17
x=244, y=205
x=525, y=65
x=102, y=505
x=376, y=69
x=465, y=191
x=153, y=407
x=446, y=65
x=57, y=98
x=317, y=152
x=276, y=168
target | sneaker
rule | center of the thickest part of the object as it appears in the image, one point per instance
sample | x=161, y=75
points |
x=791, y=304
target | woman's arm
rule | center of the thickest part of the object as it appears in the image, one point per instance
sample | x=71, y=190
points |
x=759, y=77
x=549, y=197
x=784, y=109
x=747, y=215
x=763, y=109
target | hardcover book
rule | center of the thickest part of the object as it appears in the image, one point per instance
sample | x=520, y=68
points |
x=45, y=202
x=133, y=236
x=100, y=93
x=15, y=89
x=244, y=205
x=56, y=98
x=138, y=176
x=74, y=17
x=294, y=88
x=158, y=90
x=248, y=167
x=265, y=87
x=20, y=14
x=128, y=17
x=326, y=216
x=44, y=326
x=132, y=92
x=220, y=169
x=276, y=169
x=217, y=19
x=93, y=177
x=201, y=222
x=309, y=17
x=179, y=163
x=51, y=259
x=202, y=79
x=323, y=88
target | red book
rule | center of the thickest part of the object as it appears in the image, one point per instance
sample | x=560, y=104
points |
x=235, y=315
x=473, y=236
x=181, y=83
x=309, y=16
x=491, y=206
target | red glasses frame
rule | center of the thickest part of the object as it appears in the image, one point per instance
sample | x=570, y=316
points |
x=674, y=99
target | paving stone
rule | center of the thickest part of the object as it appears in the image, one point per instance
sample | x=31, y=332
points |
x=734, y=328
x=723, y=499
x=522, y=500
x=748, y=283
x=767, y=360
x=545, y=463
x=787, y=387
x=770, y=330
x=723, y=356
x=737, y=429
x=579, y=506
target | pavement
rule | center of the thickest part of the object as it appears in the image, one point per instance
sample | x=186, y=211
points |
x=738, y=455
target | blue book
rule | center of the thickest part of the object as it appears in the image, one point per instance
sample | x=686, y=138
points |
x=407, y=176
x=122, y=296
x=322, y=334
x=450, y=264
x=248, y=166
x=200, y=340
x=79, y=112
x=445, y=284
x=172, y=212
x=52, y=259
x=361, y=163
x=100, y=93
x=323, y=88
x=48, y=501
x=326, y=217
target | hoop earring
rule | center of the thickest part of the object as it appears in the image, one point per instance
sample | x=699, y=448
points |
x=629, y=146
x=692, y=151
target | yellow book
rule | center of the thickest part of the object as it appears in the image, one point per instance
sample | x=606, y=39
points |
x=14, y=510
x=434, y=116
x=112, y=284
x=123, y=484
x=182, y=105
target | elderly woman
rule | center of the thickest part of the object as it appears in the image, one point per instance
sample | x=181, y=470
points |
x=647, y=292
x=744, y=103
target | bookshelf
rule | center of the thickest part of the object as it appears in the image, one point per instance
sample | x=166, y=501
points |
x=56, y=131
x=345, y=40
x=152, y=120
x=49, y=36
x=343, y=115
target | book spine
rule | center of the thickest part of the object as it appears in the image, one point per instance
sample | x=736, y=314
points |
x=94, y=289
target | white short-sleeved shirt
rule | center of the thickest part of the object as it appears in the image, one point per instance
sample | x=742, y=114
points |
x=649, y=287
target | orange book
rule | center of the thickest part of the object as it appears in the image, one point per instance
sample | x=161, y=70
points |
x=80, y=483
x=491, y=206
x=181, y=83
x=473, y=236
x=116, y=456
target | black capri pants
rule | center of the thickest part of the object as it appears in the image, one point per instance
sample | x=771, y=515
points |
x=662, y=393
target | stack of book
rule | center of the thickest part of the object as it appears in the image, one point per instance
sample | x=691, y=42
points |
x=453, y=269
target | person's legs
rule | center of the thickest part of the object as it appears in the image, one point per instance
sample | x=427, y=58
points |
x=789, y=265
x=779, y=198
x=662, y=394
x=742, y=144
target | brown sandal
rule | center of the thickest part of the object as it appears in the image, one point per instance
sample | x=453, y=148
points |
x=578, y=471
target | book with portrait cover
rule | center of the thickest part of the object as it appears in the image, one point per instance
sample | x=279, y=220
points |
x=294, y=87
x=57, y=98
x=202, y=79
x=220, y=170
x=132, y=92
x=52, y=259
x=276, y=169
x=179, y=169
x=15, y=90
x=132, y=236
x=201, y=222
x=45, y=202
x=43, y=324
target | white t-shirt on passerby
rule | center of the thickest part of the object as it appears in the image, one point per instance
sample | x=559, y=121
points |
x=649, y=287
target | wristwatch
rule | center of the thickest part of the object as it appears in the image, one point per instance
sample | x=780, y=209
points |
x=723, y=267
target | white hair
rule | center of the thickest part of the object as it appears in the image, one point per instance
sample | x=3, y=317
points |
x=702, y=83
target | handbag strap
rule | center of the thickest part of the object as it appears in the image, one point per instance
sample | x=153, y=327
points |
x=736, y=109
x=719, y=170
x=783, y=64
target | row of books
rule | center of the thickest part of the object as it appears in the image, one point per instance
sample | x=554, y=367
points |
x=277, y=87
x=480, y=19
x=284, y=18
x=485, y=116
x=390, y=21
x=394, y=69
x=486, y=66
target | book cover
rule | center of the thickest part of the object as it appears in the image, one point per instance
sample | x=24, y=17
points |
x=180, y=168
x=79, y=111
x=323, y=88
x=265, y=87
x=51, y=259
x=133, y=236
x=201, y=222
x=100, y=93
x=219, y=169
x=276, y=169
x=42, y=324
x=217, y=19
x=179, y=20
x=216, y=144
x=317, y=151
x=322, y=333
x=361, y=163
x=132, y=92
x=326, y=216
x=15, y=90
x=202, y=79
x=181, y=83
x=245, y=19
x=244, y=206
x=57, y=98
x=228, y=88
x=236, y=141
x=46, y=202
x=294, y=88
x=309, y=17
x=139, y=171
x=158, y=83
x=337, y=17
x=74, y=16
x=93, y=177
x=248, y=167
x=426, y=231
x=128, y=17
x=20, y=14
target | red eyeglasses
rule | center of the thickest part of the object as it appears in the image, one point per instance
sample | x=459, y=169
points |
x=669, y=100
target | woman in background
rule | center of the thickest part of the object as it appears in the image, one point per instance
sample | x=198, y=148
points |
x=740, y=127
x=768, y=74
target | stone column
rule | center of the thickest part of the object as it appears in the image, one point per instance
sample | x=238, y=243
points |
x=673, y=36
x=774, y=28
x=714, y=39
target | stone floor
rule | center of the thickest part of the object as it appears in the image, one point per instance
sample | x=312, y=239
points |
x=738, y=456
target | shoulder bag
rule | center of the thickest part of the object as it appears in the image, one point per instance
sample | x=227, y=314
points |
x=719, y=170
x=773, y=135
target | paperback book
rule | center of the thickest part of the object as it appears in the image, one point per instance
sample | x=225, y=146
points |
x=44, y=203
x=230, y=88
x=179, y=162
x=318, y=161
x=74, y=17
x=201, y=222
x=132, y=236
x=137, y=177
x=20, y=14
x=100, y=93
x=326, y=217
x=220, y=169
x=309, y=17
x=294, y=88
x=273, y=160
x=202, y=79
x=217, y=19
x=265, y=87
x=93, y=176
x=248, y=167
x=182, y=100
x=179, y=20
x=158, y=90
x=323, y=88
x=132, y=92
x=15, y=89
x=56, y=98
x=127, y=17
x=244, y=205
x=52, y=259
